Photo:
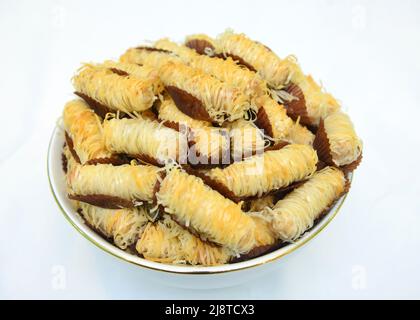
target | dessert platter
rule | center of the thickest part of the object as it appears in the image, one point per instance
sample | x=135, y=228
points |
x=208, y=153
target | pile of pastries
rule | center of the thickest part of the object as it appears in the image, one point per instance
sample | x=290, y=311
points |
x=208, y=152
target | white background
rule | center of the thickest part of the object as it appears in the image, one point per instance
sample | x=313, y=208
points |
x=366, y=52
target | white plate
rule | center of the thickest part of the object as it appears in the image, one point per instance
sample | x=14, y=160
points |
x=178, y=275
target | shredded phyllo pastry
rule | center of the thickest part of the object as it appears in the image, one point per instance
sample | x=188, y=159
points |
x=166, y=241
x=345, y=145
x=208, y=142
x=169, y=112
x=148, y=57
x=272, y=170
x=256, y=56
x=300, y=135
x=123, y=226
x=260, y=203
x=85, y=130
x=132, y=183
x=220, y=101
x=272, y=118
x=201, y=43
x=142, y=137
x=116, y=91
x=224, y=70
x=208, y=152
x=296, y=213
x=246, y=139
x=198, y=207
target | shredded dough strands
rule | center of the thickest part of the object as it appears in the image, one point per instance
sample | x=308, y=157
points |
x=300, y=135
x=224, y=70
x=270, y=171
x=345, y=145
x=165, y=241
x=172, y=109
x=216, y=218
x=246, y=139
x=149, y=58
x=85, y=129
x=144, y=137
x=117, y=92
x=222, y=101
x=209, y=142
x=319, y=104
x=122, y=225
x=296, y=213
x=268, y=65
x=130, y=182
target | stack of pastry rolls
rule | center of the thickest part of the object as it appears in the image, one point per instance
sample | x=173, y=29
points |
x=204, y=153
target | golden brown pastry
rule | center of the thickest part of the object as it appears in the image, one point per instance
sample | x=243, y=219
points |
x=116, y=91
x=113, y=187
x=296, y=213
x=145, y=139
x=337, y=142
x=166, y=241
x=84, y=128
x=201, y=209
x=272, y=170
x=122, y=226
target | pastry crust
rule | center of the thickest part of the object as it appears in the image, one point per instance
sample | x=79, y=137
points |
x=220, y=101
x=344, y=144
x=272, y=118
x=261, y=203
x=296, y=213
x=301, y=94
x=208, y=145
x=225, y=70
x=272, y=170
x=266, y=63
x=245, y=139
x=144, y=138
x=67, y=159
x=133, y=184
x=148, y=56
x=122, y=226
x=84, y=128
x=165, y=241
x=299, y=134
x=205, y=211
x=310, y=102
x=125, y=93
x=133, y=70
